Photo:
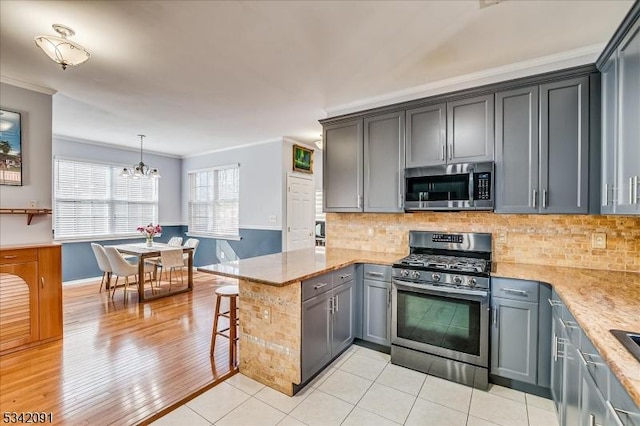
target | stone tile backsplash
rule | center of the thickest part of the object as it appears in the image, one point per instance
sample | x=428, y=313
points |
x=559, y=240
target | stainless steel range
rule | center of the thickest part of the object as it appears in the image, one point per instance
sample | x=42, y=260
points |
x=440, y=306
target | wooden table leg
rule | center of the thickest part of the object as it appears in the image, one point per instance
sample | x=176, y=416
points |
x=140, y=279
x=190, y=271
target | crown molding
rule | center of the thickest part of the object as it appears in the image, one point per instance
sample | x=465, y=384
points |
x=111, y=145
x=558, y=61
x=27, y=85
x=230, y=148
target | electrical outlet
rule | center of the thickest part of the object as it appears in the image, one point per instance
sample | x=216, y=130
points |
x=502, y=237
x=273, y=218
x=599, y=240
x=266, y=314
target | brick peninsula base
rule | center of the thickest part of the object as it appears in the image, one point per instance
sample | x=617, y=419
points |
x=270, y=330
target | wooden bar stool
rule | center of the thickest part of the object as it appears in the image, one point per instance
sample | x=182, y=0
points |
x=230, y=291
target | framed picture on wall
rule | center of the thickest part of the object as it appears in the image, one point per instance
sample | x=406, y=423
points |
x=10, y=148
x=302, y=159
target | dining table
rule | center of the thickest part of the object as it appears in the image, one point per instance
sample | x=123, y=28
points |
x=142, y=252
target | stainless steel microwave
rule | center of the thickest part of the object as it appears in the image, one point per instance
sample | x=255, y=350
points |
x=465, y=186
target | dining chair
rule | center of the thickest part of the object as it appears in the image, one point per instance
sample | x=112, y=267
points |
x=175, y=241
x=121, y=268
x=171, y=259
x=157, y=261
x=191, y=242
x=103, y=265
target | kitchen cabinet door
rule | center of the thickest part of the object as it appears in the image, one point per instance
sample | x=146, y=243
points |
x=557, y=359
x=342, y=317
x=517, y=166
x=593, y=410
x=470, y=131
x=514, y=340
x=342, y=163
x=426, y=138
x=384, y=163
x=50, y=292
x=316, y=334
x=628, y=142
x=571, y=384
x=376, y=322
x=19, y=319
x=609, y=134
x=564, y=146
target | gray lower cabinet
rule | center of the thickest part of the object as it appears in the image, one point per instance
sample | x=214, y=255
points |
x=470, y=132
x=542, y=148
x=384, y=163
x=514, y=340
x=376, y=309
x=342, y=163
x=584, y=389
x=327, y=319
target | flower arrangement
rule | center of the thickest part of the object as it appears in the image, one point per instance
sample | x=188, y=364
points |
x=149, y=232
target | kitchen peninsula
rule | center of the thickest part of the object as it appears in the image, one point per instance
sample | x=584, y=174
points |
x=271, y=307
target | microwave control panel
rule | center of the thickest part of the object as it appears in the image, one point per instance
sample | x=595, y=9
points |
x=482, y=186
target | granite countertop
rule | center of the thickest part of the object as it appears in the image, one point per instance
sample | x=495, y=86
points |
x=599, y=300
x=286, y=268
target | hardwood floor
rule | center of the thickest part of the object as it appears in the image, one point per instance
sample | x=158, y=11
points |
x=119, y=362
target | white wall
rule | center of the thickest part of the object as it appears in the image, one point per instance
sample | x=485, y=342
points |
x=36, y=167
x=260, y=182
x=169, y=208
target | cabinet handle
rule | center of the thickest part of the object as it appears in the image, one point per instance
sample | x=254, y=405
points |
x=11, y=256
x=613, y=410
x=635, y=190
x=534, y=198
x=592, y=420
x=389, y=297
x=515, y=291
x=450, y=151
x=569, y=324
x=495, y=316
x=442, y=155
x=319, y=286
x=554, y=302
x=375, y=274
x=555, y=347
x=359, y=201
x=336, y=304
x=584, y=361
x=342, y=277
x=41, y=282
x=605, y=202
x=545, y=201
x=331, y=305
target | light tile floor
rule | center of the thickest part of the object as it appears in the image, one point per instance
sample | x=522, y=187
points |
x=362, y=388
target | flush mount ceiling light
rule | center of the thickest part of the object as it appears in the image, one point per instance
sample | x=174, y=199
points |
x=62, y=50
x=140, y=170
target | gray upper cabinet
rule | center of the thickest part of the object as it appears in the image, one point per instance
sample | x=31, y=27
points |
x=609, y=130
x=620, y=67
x=470, y=135
x=384, y=163
x=342, y=161
x=628, y=143
x=564, y=146
x=426, y=138
x=517, y=154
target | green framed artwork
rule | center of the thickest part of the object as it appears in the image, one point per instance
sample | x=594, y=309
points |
x=302, y=159
x=10, y=148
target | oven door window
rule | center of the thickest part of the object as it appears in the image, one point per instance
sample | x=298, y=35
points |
x=439, y=321
x=438, y=188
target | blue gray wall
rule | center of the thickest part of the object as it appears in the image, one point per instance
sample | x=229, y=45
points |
x=78, y=261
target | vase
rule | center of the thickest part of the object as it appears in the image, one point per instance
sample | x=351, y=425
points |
x=149, y=240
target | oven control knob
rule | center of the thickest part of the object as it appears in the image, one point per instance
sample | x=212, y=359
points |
x=457, y=279
x=416, y=275
x=404, y=273
x=472, y=282
x=435, y=276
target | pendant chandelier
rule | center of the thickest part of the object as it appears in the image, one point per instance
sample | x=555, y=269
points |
x=140, y=170
x=62, y=50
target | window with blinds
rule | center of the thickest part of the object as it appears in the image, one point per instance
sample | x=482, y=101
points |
x=92, y=200
x=214, y=200
x=320, y=215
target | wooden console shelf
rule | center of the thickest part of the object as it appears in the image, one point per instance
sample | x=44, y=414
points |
x=29, y=212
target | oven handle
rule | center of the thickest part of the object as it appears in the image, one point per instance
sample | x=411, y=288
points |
x=439, y=289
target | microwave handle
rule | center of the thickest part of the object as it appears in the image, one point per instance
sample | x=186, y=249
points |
x=472, y=189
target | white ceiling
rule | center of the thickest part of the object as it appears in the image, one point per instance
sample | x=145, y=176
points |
x=196, y=76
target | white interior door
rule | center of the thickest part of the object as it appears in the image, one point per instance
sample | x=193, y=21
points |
x=300, y=212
